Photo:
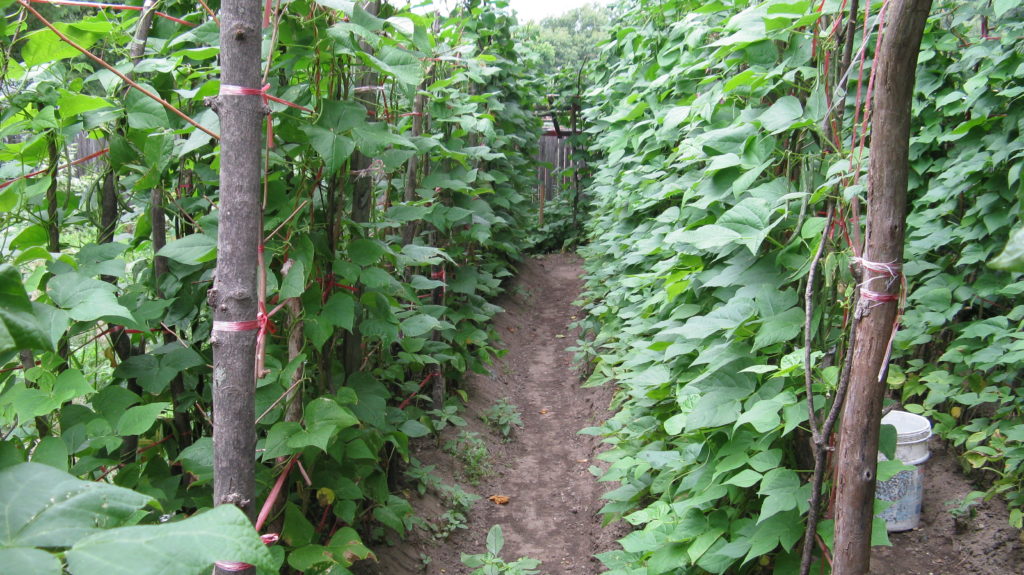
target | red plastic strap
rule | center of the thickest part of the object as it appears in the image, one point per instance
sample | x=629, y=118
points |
x=229, y=90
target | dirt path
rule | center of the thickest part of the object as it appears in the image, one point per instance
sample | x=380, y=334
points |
x=553, y=498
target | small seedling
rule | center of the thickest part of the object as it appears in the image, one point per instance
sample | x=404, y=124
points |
x=964, y=510
x=491, y=563
x=448, y=523
x=458, y=498
x=423, y=476
x=504, y=417
x=442, y=418
x=472, y=451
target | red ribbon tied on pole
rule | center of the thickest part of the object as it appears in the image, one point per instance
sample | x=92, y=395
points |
x=229, y=90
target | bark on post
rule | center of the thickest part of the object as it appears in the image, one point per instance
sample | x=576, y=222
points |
x=881, y=267
x=233, y=297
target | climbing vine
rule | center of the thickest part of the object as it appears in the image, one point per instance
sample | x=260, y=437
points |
x=735, y=142
x=393, y=189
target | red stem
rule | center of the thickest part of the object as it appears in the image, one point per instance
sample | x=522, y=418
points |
x=65, y=166
x=275, y=492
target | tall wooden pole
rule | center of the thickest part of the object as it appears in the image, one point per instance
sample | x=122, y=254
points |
x=881, y=270
x=233, y=297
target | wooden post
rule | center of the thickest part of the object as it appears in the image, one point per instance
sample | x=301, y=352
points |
x=881, y=270
x=233, y=297
x=541, y=193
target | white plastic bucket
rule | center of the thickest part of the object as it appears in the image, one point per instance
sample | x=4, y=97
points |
x=905, y=489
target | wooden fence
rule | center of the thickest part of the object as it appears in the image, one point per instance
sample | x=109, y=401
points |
x=554, y=157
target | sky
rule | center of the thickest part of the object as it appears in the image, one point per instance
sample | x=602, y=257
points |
x=529, y=9
x=538, y=9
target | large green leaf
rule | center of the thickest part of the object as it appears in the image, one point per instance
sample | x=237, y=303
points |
x=19, y=326
x=145, y=113
x=86, y=298
x=27, y=560
x=1012, y=257
x=330, y=136
x=43, y=507
x=192, y=250
x=403, y=65
x=45, y=46
x=72, y=104
x=188, y=547
x=782, y=114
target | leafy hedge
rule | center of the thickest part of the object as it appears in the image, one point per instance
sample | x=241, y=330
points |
x=106, y=371
x=729, y=131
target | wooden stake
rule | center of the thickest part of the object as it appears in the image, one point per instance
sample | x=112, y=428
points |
x=883, y=258
x=233, y=297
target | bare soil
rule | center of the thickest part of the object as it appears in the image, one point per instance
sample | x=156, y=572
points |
x=984, y=544
x=554, y=499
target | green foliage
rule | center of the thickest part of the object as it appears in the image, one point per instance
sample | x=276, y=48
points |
x=471, y=450
x=50, y=517
x=491, y=563
x=504, y=417
x=105, y=345
x=564, y=43
x=714, y=175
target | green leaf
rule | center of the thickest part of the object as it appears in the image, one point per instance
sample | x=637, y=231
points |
x=328, y=135
x=340, y=310
x=294, y=282
x=197, y=459
x=1012, y=257
x=43, y=507
x=326, y=411
x=418, y=325
x=364, y=252
x=19, y=326
x=276, y=444
x=782, y=114
x=402, y=65
x=71, y=104
x=414, y=429
x=45, y=46
x=193, y=249
x=85, y=298
x=53, y=452
x=783, y=491
x=297, y=529
x=188, y=547
x=887, y=436
x=25, y=560
x=495, y=540
x=137, y=420
x=1001, y=7
x=145, y=113
x=745, y=478
x=781, y=327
